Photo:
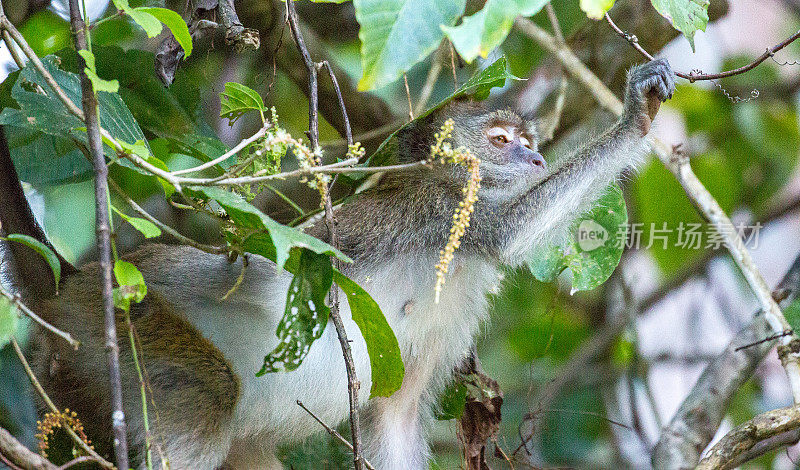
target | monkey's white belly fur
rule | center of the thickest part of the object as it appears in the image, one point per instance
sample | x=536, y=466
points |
x=432, y=337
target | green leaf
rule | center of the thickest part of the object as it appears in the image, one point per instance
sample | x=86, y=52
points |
x=452, y=402
x=396, y=34
x=384, y=351
x=596, y=9
x=8, y=321
x=481, y=33
x=149, y=23
x=594, y=252
x=46, y=113
x=98, y=84
x=687, y=16
x=175, y=23
x=238, y=99
x=305, y=315
x=43, y=250
x=476, y=88
x=268, y=238
x=131, y=285
x=792, y=314
x=147, y=228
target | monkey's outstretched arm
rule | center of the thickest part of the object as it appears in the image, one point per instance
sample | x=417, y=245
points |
x=545, y=212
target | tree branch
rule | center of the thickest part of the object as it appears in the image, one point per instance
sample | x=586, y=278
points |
x=21, y=456
x=699, y=416
x=353, y=384
x=103, y=229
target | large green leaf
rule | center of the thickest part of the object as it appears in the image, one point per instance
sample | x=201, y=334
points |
x=477, y=88
x=594, y=252
x=384, y=351
x=687, y=16
x=266, y=237
x=481, y=33
x=305, y=315
x=396, y=34
x=47, y=114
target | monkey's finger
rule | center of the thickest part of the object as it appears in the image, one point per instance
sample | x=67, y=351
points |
x=653, y=103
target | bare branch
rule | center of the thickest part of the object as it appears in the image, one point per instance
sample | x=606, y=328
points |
x=33, y=316
x=699, y=416
x=20, y=456
x=333, y=433
x=745, y=436
x=695, y=75
x=103, y=229
x=353, y=384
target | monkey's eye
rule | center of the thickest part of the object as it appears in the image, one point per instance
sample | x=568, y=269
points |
x=525, y=142
x=499, y=135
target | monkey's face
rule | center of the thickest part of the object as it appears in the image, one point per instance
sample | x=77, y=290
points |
x=507, y=146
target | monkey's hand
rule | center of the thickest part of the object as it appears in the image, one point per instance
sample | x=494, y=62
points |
x=648, y=86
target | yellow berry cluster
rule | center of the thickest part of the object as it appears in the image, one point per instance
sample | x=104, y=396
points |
x=444, y=152
x=53, y=421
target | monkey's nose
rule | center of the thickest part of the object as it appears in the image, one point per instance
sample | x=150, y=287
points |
x=537, y=160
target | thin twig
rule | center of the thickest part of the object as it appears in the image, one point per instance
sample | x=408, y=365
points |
x=333, y=433
x=353, y=384
x=408, y=95
x=33, y=316
x=244, y=143
x=348, y=133
x=103, y=229
x=38, y=387
x=695, y=75
x=430, y=82
x=164, y=227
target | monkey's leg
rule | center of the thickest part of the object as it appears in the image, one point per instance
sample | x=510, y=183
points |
x=393, y=434
x=193, y=387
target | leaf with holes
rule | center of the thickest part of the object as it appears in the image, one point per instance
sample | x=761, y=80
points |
x=687, y=16
x=595, y=250
x=481, y=33
x=305, y=315
x=476, y=88
x=238, y=99
x=396, y=34
x=43, y=250
x=384, y=351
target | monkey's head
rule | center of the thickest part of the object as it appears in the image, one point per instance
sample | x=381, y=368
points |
x=505, y=142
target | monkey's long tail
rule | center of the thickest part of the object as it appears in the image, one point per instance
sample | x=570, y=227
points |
x=31, y=272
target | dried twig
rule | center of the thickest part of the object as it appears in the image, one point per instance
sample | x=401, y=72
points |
x=103, y=229
x=15, y=299
x=333, y=433
x=353, y=384
x=695, y=75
